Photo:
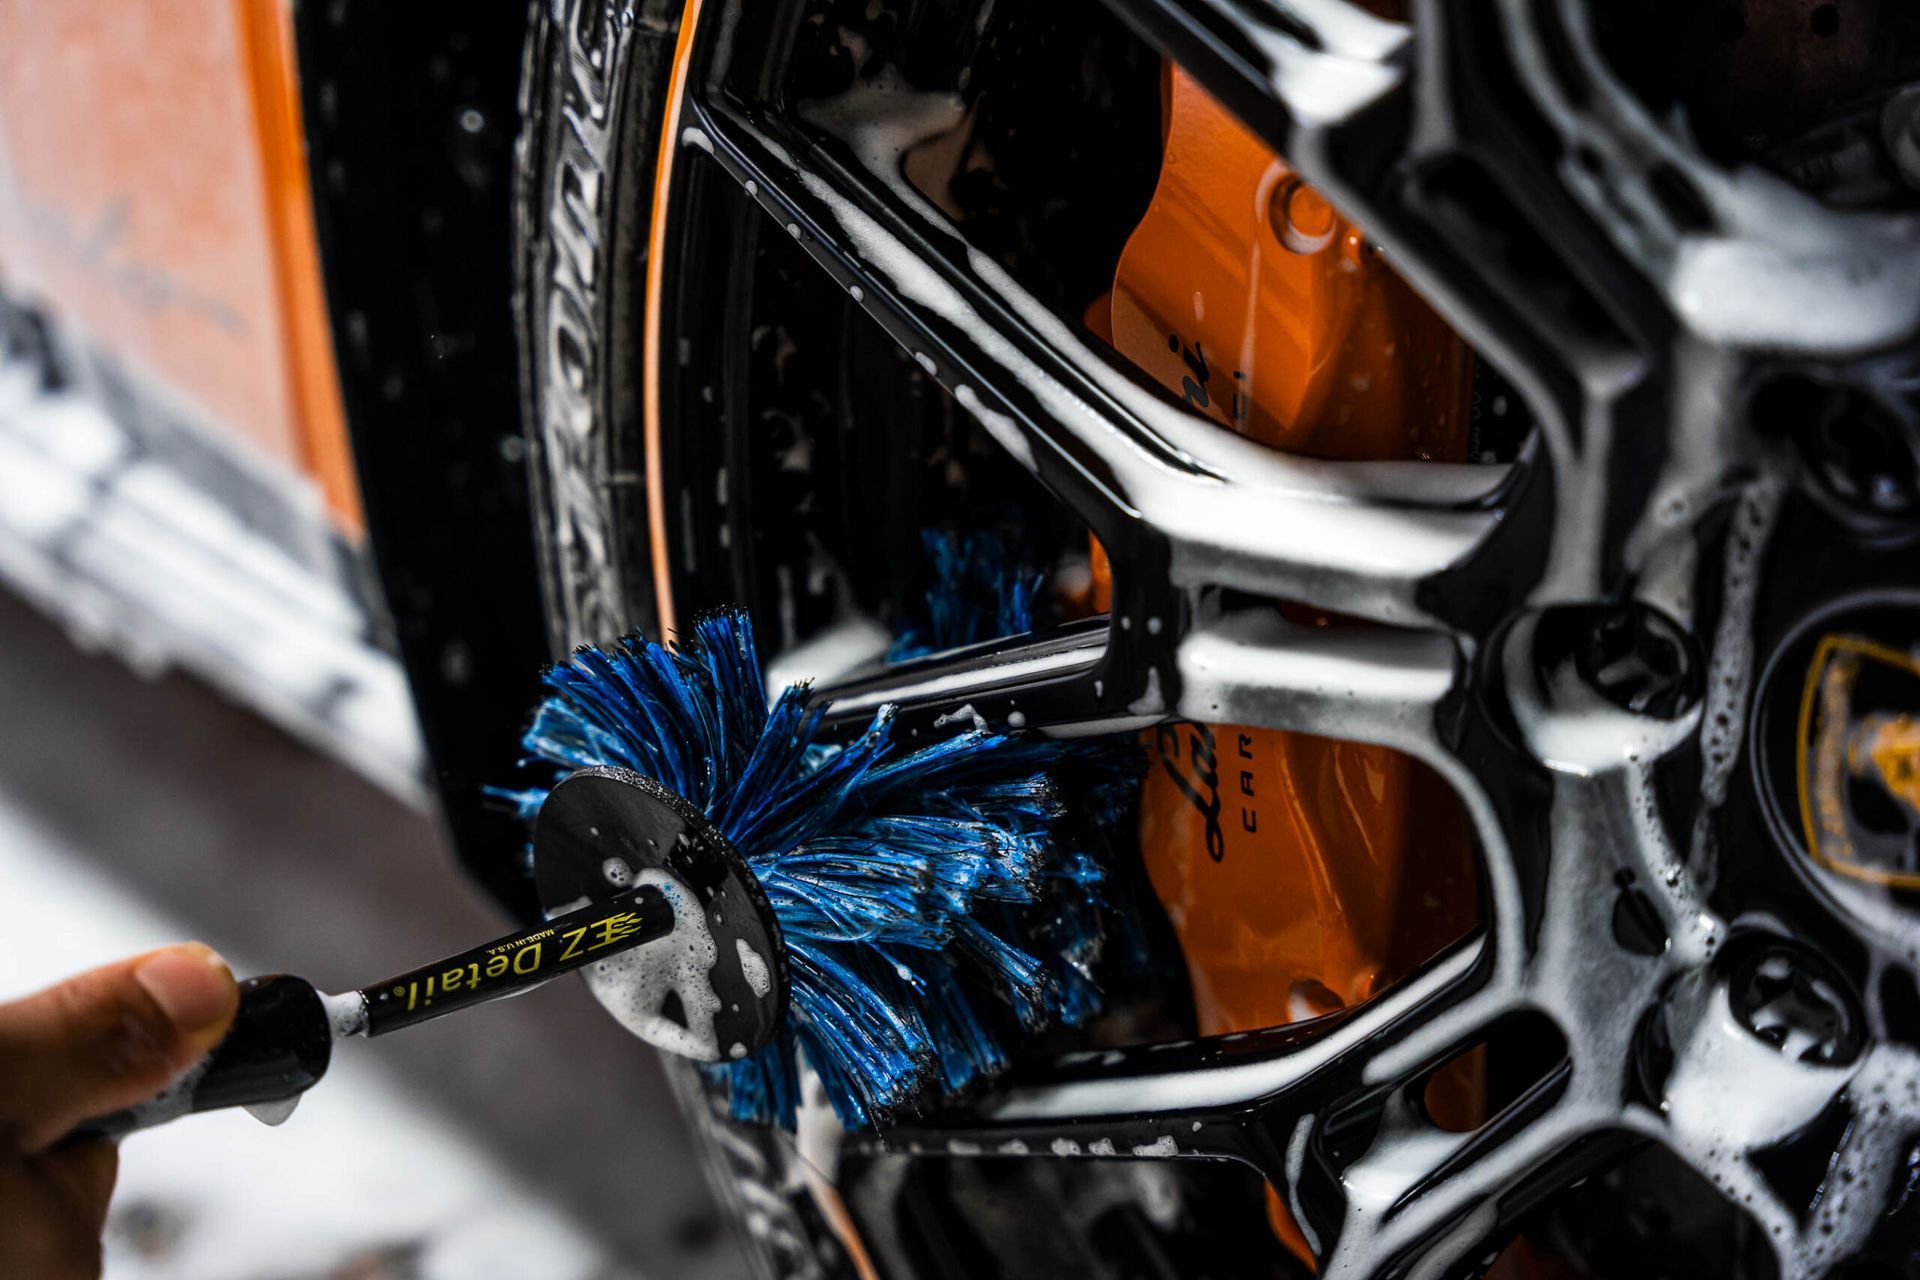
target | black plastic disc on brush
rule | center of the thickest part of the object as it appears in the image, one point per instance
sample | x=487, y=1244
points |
x=716, y=987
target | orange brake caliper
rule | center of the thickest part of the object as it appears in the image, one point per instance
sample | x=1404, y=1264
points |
x=1301, y=874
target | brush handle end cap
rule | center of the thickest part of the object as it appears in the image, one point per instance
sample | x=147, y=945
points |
x=279, y=1046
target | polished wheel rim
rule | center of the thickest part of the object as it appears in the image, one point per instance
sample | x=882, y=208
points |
x=1572, y=641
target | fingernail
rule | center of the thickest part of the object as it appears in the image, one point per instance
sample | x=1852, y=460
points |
x=190, y=983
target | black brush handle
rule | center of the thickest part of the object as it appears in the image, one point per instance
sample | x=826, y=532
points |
x=278, y=1047
x=282, y=1037
x=520, y=962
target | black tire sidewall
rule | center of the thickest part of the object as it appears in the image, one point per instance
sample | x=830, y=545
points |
x=593, y=94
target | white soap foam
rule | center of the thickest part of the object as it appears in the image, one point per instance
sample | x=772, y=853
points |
x=634, y=985
x=174, y=1100
x=753, y=967
x=963, y=712
x=346, y=1013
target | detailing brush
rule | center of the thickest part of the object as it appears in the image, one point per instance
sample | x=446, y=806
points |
x=739, y=892
x=679, y=908
x=934, y=902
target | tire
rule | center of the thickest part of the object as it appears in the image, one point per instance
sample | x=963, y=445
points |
x=595, y=82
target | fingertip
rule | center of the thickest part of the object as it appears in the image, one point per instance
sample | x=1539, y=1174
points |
x=109, y=1038
x=192, y=986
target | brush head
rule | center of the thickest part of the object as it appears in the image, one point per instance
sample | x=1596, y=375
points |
x=934, y=903
x=715, y=988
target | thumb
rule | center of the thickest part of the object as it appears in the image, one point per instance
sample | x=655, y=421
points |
x=109, y=1038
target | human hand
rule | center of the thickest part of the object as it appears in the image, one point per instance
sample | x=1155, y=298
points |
x=107, y=1039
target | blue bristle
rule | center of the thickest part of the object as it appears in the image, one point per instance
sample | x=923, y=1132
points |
x=931, y=901
x=981, y=590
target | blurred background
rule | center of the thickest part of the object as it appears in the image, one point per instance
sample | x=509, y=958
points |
x=208, y=719
x=138, y=806
x=139, y=811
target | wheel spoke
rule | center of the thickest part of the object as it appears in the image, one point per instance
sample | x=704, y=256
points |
x=1244, y=1096
x=1426, y=1202
x=1041, y=680
x=1280, y=65
x=1137, y=1137
x=1378, y=685
x=1359, y=538
x=1224, y=1074
x=1373, y=684
x=1328, y=1111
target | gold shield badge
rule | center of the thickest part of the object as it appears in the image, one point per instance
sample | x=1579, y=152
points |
x=1857, y=760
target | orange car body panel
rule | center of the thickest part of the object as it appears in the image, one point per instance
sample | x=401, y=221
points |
x=1301, y=874
x=153, y=190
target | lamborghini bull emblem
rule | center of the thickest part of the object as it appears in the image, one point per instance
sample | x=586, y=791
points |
x=1858, y=760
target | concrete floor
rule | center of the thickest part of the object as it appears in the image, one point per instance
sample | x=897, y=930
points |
x=529, y=1138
